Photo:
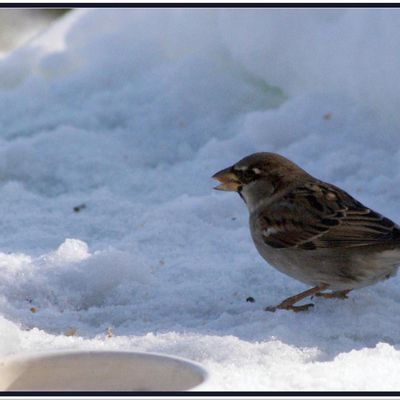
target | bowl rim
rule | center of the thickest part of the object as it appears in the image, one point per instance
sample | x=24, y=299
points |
x=40, y=354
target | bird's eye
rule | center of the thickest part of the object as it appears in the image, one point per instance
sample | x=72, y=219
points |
x=249, y=174
x=246, y=175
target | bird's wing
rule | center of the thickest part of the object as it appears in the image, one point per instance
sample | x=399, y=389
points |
x=320, y=215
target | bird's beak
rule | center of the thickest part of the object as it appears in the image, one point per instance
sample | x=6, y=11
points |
x=229, y=181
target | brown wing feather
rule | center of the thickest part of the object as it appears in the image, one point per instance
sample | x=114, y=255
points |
x=319, y=215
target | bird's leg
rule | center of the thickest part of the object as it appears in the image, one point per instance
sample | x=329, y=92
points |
x=340, y=294
x=288, y=304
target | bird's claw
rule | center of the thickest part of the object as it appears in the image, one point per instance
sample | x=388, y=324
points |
x=334, y=295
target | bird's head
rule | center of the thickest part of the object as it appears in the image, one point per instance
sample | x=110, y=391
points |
x=258, y=176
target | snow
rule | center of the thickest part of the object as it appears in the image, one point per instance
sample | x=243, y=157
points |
x=113, y=122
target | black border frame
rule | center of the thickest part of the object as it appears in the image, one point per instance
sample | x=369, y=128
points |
x=195, y=394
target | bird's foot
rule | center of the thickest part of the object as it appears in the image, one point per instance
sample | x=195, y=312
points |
x=288, y=304
x=341, y=294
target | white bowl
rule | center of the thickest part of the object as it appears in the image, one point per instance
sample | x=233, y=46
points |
x=106, y=371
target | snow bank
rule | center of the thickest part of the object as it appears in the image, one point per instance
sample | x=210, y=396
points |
x=113, y=122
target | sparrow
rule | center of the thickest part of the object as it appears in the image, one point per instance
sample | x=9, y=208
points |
x=311, y=230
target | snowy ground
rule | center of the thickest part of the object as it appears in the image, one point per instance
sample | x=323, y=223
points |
x=130, y=112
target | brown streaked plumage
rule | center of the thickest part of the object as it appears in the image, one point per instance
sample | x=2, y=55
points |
x=311, y=230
